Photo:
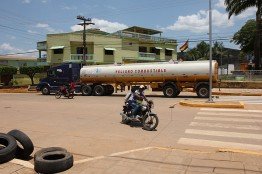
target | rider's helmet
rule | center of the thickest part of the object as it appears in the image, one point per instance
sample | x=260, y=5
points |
x=142, y=87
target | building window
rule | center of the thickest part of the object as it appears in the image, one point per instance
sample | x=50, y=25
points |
x=79, y=50
x=168, y=52
x=58, y=51
x=109, y=52
x=154, y=50
x=143, y=49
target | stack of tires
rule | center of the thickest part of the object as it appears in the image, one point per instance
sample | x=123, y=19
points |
x=16, y=144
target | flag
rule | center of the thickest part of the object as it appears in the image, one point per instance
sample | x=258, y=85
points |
x=184, y=47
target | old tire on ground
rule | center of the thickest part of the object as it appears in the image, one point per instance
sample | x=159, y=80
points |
x=150, y=122
x=49, y=161
x=170, y=91
x=86, y=90
x=202, y=91
x=25, y=141
x=45, y=90
x=8, y=148
x=99, y=90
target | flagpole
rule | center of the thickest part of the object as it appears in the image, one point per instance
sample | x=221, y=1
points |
x=210, y=52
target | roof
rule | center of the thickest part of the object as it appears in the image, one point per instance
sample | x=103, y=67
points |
x=142, y=30
x=17, y=58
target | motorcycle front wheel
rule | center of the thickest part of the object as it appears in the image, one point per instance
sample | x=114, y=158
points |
x=150, y=122
x=58, y=95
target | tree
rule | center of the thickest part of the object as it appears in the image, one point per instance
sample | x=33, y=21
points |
x=7, y=70
x=245, y=37
x=201, y=51
x=218, y=51
x=31, y=71
x=236, y=7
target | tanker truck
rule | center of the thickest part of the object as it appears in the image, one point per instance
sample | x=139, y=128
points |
x=99, y=80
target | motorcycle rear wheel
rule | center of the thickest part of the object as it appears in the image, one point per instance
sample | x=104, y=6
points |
x=58, y=95
x=150, y=122
x=70, y=95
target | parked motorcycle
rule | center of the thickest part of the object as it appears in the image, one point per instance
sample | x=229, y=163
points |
x=63, y=91
x=148, y=119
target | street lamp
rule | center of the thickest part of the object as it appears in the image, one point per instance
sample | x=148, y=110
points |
x=86, y=22
x=210, y=53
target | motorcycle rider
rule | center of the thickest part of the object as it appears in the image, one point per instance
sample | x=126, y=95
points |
x=138, y=97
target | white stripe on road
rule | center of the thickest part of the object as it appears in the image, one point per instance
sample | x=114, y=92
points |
x=230, y=110
x=229, y=119
x=224, y=134
x=229, y=114
x=231, y=126
x=219, y=144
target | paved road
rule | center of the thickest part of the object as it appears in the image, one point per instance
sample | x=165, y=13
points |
x=90, y=126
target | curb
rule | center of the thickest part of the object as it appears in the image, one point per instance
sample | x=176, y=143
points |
x=236, y=94
x=212, y=105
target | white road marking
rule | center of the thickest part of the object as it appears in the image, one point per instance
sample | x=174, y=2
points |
x=23, y=163
x=221, y=125
x=230, y=110
x=229, y=119
x=230, y=114
x=219, y=144
x=111, y=155
x=224, y=134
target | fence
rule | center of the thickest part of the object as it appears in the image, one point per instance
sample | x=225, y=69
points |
x=251, y=75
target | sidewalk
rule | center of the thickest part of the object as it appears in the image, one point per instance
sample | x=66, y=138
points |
x=160, y=160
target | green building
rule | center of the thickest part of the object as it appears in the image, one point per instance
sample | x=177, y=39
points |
x=134, y=44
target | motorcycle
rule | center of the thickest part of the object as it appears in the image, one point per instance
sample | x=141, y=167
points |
x=148, y=119
x=69, y=93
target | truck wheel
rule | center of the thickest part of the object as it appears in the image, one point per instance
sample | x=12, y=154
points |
x=203, y=91
x=170, y=91
x=45, y=90
x=86, y=90
x=99, y=90
x=109, y=89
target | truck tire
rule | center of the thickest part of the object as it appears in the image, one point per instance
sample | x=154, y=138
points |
x=45, y=90
x=99, y=90
x=109, y=89
x=53, y=161
x=25, y=141
x=202, y=91
x=86, y=90
x=8, y=148
x=170, y=91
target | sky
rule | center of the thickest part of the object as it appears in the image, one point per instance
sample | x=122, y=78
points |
x=25, y=22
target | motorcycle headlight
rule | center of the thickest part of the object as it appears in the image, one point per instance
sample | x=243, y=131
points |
x=143, y=108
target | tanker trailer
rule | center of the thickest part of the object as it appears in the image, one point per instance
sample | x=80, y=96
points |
x=170, y=78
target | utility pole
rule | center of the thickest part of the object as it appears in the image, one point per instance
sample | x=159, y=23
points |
x=86, y=22
x=210, y=53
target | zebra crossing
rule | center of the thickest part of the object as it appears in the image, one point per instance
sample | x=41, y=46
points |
x=225, y=128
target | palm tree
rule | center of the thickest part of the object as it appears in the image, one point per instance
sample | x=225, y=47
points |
x=236, y=7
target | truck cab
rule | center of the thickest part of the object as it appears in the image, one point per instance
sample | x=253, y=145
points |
x=58, y=76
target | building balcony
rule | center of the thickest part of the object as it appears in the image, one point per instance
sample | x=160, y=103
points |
x=145, y=37
x=143, y=57
x=79, y=58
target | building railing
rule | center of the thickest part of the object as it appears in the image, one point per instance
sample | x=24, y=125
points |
x=143, y=36
x=149, y=55
x=79, y=57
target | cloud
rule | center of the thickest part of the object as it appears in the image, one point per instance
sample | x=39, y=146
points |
x=32, y=32
x=199, y=22
x=7, y=47
x=247, y=13
x=47, y=27
x=103, y=25
x=220, y=4
x=44, y=1
x=26, y=1
x=69, y=8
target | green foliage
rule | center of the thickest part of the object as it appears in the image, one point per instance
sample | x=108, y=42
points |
x=7, y=70
x=31, y=71
x=200, y=52
x=245, y=37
